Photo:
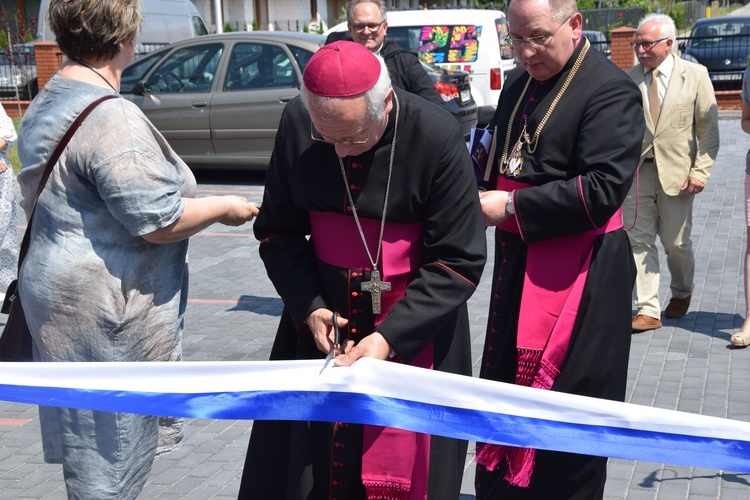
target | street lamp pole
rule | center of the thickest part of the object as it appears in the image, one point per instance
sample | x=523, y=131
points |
x=219, y=19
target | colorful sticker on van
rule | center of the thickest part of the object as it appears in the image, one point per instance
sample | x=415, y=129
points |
x=449, y=44
x=506, y=51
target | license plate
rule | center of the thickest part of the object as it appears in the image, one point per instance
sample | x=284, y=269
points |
x=727, y=76
x=465, y=95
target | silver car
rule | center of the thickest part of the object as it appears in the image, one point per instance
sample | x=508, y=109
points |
x=18, y=78
x=218, y=99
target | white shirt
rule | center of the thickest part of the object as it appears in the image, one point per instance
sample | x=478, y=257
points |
x=665, y=73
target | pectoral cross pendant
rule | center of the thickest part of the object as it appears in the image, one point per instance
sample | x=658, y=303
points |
x=375, y=286
x=515, y=161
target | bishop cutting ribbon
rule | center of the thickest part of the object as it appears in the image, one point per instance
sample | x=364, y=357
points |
x=375, y=392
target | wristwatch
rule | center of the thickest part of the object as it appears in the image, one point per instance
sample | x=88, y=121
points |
x=509, y=205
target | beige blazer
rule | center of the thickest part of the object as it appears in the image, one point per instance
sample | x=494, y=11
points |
x=686, y=139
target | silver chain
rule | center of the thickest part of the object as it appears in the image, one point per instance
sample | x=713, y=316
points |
x=387, y=190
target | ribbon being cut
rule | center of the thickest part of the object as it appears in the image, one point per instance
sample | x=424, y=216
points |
x=388, y=394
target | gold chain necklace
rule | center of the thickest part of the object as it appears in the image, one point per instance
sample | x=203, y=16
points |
x=512, y=163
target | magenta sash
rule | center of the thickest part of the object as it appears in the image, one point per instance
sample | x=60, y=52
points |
x=555, y=276
x=399, y=258
x=395, y=463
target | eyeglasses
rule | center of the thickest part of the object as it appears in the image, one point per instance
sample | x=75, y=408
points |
x=646, y=45
x=315, y=136
x=536, y=42
x=359, y=28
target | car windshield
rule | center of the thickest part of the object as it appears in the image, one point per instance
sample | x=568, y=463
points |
x=719, y=34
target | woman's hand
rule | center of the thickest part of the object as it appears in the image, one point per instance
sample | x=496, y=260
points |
x=199, y=213
x=238, y=211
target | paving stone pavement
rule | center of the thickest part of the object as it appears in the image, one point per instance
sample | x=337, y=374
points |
x=233, y=311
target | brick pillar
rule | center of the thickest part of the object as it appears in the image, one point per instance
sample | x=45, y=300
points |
x=622, y=55
x=48, y=59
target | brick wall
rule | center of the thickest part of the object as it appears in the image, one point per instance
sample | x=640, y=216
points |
x=622, y=55
x=15, y=109
x=48, y=59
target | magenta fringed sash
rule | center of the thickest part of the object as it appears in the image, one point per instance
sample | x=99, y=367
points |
x=395, y=463
x=555, y=276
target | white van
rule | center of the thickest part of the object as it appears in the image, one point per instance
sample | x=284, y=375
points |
x=469, y=39
x=164, y=22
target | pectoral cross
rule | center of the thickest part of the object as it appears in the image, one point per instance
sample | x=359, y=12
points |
x=375, y=286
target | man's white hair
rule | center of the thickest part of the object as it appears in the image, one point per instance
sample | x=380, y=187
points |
x=667, y=28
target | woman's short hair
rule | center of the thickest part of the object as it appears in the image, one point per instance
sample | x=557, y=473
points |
x=94, y=29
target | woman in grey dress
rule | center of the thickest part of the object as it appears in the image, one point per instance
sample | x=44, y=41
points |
x=105, y=278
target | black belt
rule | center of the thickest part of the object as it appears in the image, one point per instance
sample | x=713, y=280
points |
x=649, y=160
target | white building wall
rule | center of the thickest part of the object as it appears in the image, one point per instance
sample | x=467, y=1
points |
x=238, y=13
x=282, y=12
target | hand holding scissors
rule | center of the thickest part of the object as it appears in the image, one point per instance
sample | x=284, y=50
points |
x=336, y=337
x=322, y=323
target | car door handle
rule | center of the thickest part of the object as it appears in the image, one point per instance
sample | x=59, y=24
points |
x=286, y=98
x=199, y=104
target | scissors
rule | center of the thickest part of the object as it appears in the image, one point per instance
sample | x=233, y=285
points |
x=336, y=337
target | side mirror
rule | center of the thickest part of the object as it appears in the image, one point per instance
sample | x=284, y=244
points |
x=140, y=88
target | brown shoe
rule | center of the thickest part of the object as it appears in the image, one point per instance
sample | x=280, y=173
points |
x=677, y=308
x=643, y=323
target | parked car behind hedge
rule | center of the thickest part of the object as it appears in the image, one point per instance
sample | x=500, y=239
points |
x=18, y=72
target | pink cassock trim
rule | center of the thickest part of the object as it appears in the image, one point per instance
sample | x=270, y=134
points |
x=555, y=276
x=395, y=463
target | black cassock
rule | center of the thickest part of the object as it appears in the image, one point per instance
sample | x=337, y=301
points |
x=580, y=174
x=433, y=186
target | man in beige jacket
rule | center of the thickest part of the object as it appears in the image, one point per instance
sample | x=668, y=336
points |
x=679, y=150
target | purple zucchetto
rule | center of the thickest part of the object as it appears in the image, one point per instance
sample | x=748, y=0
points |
x=341, y=69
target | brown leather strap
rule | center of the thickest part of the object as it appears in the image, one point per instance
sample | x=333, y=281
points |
x=50, y=165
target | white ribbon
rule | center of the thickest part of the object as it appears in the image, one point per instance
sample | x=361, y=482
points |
x=389, y=394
